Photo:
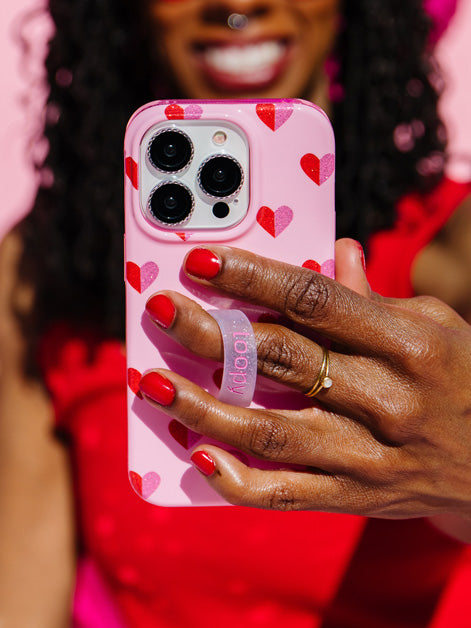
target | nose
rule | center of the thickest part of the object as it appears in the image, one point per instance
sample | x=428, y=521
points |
x=218, y=13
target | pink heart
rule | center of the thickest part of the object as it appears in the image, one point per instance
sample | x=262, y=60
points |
x=275, y=222
x=328, y=268
x=193, y=112
x=319, y=170
x=150, y=483
x=274, y=116
x=141, y=277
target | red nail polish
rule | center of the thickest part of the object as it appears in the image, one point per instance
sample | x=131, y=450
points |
x=158, y=388
x=362, y=256
x=202, y=263
x=161, y=310
x=203, y=462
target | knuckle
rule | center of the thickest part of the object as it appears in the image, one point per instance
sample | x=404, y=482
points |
x=275, y=354
x=307, y=295
x=268, y=438
x=405, y=418
x=435, y=309
x=197, y=415
x=246, y=279
x=422, y=348
x=281, y=497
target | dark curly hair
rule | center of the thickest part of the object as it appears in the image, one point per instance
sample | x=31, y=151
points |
x=73, y=238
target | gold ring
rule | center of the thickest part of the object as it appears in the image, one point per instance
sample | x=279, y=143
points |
x=323, y=380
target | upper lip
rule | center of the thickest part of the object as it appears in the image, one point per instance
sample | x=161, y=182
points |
x=239, y=42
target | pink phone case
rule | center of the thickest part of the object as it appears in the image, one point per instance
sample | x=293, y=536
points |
x=290, y=217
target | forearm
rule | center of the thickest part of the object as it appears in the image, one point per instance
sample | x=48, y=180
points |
x=36, y=521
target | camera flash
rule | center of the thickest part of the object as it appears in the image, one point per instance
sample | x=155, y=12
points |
x=219, y=138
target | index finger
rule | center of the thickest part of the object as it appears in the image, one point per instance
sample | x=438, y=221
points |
x=303, y=295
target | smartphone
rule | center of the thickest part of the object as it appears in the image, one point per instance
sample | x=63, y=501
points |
x=254, y=174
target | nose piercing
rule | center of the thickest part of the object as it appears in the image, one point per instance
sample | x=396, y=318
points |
x=237, y=21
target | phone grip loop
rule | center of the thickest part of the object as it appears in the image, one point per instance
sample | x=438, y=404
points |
x=240, y=357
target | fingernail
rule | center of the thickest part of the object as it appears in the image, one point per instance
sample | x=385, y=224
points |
x=161, y=310
x=158, y=388
x=203, y=462
x=362, y=255
x=202, y=263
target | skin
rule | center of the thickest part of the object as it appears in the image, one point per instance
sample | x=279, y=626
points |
x=395, y=458
x=37, y=538
x=309, y=25
x=391, y=437
x=400, y=465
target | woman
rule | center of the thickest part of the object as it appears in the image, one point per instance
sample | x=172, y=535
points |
x=391, y=438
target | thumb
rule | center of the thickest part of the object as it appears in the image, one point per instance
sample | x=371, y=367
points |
x=350, y=266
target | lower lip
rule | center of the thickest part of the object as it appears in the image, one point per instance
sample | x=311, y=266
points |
x=256, y=79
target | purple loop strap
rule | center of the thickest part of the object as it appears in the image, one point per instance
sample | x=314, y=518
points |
x=240, y=357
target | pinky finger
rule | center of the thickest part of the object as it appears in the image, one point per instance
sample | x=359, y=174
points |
x=281, y=489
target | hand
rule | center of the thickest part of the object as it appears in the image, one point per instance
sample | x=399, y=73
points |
x=391, y=438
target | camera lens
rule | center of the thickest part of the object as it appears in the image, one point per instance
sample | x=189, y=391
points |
x=170, y=151
x=220, y=176
x=171, y=203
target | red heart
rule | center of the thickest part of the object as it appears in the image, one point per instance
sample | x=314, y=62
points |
x=275, y=222
x=144, y=485
x=185, y=437
x=312, y=265
x=136, y=482
x=175, y=112
x=266, y=113
x=312, y=167
x=134, y=379
x=133, y=275
x=141, y=277
x=274, y=116
x=131, y=171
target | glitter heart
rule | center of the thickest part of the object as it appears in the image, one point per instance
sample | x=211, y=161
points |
x=176, y=112
x=312, y=265
x=131, y=171
x=141, y=277
x=275, y=222
x=274, y=116
x=134, y=379
x=185, y=437
x=144, y=485
x=319, y=170
x=328, y=268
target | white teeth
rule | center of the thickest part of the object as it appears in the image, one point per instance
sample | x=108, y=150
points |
x=250, y=58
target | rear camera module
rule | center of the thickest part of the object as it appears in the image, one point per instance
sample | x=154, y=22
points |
x=170, y=150
x=171, y=203
x=220, y=176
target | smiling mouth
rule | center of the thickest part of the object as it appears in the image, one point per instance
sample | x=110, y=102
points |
x=244, y=66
